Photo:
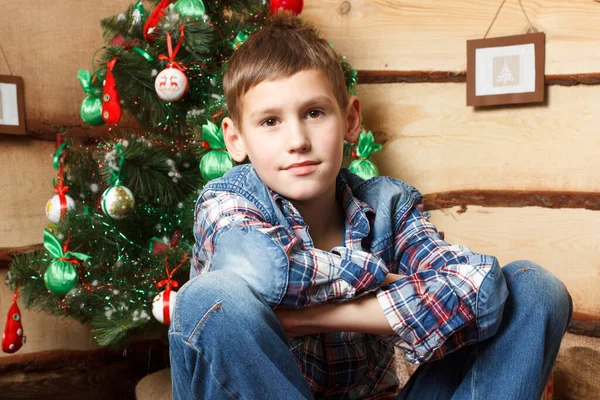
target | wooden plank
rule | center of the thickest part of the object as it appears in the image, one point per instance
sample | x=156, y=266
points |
x=564, y=241
x=585, y=324
x=371, y=77
x=6, y=254
x=411, y=35
x=46, y=45
x=384, y=35
x=43, y=331
x=438, y=144
x=516, y=198
x=25, y=187
x=93, y=374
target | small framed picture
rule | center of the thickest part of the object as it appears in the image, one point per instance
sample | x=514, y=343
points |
x=506, y=70
x=12, y=105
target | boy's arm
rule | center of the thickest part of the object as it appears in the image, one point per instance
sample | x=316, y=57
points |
x=450, y=297
x=231, y=233
x=363, y=314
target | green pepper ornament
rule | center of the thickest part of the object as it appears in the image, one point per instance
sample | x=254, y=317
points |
x=240, y=39
x=190, y=8
x=61, y=276
x=365, y=149
x=91, y=107
x=217, y=161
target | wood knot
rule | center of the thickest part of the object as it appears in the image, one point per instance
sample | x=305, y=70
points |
x=345, y=7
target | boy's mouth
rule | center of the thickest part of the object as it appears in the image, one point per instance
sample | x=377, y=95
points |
x=302, y=168
x=301, y=164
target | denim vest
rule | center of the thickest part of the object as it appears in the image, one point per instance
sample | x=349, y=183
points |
x=390, y=198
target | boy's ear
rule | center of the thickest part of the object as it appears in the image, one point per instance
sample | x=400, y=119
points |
x=353, y=119
x=233, y=140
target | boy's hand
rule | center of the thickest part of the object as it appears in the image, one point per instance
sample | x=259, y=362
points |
x=363, y=315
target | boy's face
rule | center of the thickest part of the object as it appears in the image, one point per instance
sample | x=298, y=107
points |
x=293, y=131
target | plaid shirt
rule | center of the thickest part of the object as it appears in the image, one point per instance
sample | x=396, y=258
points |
x=433, y=310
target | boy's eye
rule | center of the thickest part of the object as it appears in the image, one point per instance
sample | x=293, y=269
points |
x=315, y=113
x=269, y=122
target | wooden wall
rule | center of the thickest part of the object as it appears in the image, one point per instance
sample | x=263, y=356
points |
x=513, y=181
x=519, y=182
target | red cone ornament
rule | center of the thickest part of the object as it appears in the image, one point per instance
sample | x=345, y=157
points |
x=150, y=27
x=111, y=103
x=13, y=338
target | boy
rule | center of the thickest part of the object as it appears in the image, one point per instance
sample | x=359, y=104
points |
x=277, y=310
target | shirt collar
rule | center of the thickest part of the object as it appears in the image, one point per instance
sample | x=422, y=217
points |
x=355, y=210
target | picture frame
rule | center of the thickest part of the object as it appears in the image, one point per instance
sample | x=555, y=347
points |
x=506, y=70
x=12, y=105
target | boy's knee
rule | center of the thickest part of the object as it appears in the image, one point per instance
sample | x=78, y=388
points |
x=215, y=284
x=534, y=288
x=209, y=293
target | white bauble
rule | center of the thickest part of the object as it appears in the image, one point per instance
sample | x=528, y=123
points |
x=159, y=303
x=170, y=84
x=53, y=209
x=117, y=202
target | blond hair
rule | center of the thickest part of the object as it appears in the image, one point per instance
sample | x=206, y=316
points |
x=282, y=48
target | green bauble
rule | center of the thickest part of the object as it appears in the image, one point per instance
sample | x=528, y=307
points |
x=60, y=277
x=215, y=163
x=91, y=111
x=364, y=168
x=190, y=8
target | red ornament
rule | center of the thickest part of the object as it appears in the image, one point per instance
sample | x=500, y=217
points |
x=118, y=40
x=13, y=338
x=294, y=6
x=150, y=27
x=158, y=247
x=163, y=303
x=111, y=103
x=171, y=84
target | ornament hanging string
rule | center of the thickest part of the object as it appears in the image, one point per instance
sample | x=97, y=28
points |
x=173, y=53
x=531, y=27
x=66, y=250
x=5, y=60
x=215, y=116
x=116, y=177
x=170, y=284
x=94, y=58
x=59, y=165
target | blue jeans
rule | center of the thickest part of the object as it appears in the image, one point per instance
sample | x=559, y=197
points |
x=217, y=356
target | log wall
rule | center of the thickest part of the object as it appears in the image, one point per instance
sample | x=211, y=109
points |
x=513, y=181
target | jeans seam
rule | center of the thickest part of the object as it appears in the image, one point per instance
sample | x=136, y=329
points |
x=216, y=306
x=523, y=269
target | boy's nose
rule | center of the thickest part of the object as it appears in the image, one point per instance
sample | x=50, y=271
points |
x=298, y=140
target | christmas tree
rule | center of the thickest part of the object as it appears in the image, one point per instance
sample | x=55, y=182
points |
x=505, y=76
x=120, y=238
